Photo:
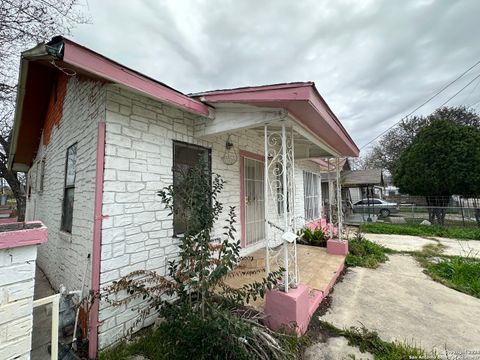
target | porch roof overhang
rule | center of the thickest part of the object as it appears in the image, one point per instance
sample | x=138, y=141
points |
x=301, y=101
x=36, y=77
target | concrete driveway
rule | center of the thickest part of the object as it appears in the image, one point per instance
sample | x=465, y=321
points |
x=401, y=303
x=416, y=243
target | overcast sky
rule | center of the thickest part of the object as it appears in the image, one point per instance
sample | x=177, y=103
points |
x=372, y=61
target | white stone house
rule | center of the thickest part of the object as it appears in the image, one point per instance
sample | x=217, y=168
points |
x=99, y=140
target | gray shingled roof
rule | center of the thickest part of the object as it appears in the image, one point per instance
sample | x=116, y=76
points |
x=362, y=178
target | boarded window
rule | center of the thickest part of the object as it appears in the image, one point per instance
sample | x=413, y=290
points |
x=311, y=188
x=69, y=188
x=185, y=157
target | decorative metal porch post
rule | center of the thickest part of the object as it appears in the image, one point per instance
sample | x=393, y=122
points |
x=280, y=213
x=285, y=195
x=265, y=200
x=339, y=200
x=330, y=198
x=321, y=195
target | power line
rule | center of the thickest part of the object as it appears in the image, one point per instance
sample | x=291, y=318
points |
x=463, y=88
x=427, y=101
x=475, y=103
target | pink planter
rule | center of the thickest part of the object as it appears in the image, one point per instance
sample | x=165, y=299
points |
x=337, y=247
x=22, y=234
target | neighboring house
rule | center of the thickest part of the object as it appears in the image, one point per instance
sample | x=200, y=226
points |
x=363, y=184
x=99, y=140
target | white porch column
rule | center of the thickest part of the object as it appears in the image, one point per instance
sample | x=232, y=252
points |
x=265, y=200
x=339, y=199
x=284, y=195
x=330, y=198
x=292, y=206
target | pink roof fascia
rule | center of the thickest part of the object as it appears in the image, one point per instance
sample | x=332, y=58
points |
x=91, y=62
x=324, y=166
x=302, y=100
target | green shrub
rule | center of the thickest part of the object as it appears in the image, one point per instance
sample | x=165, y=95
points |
x=314, y=237
x=462, y=274
x=216, y=335
x=365, y=253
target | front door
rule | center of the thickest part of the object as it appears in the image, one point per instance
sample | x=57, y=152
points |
x=253, y=201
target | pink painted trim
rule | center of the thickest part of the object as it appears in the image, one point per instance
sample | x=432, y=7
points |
x=303, y=101
x=8, y=220
x=245, y=154
x=94, y=63
x=333, y=281
x=222, y=92
x=24, y=237
x=97, y=242
x=251, y=155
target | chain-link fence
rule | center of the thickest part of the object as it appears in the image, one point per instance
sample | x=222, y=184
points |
x=441, y=210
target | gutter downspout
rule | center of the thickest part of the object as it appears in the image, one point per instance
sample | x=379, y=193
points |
x=97, y=242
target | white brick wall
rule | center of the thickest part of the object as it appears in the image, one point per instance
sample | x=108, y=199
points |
x=17, y=273
x=63, y=257
x=137, y=233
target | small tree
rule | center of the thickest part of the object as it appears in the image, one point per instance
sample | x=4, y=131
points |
x=443, y=159
x=386, y=153
x=201, y=310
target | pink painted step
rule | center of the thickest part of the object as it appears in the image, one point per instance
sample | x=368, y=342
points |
x=315, y=298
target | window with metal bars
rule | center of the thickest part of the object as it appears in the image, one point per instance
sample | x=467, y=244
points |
x=311, y=188
x=185, y=157
x=69, y=188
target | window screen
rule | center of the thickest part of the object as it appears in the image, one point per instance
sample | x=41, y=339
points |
x=311, y=188
x=185, y=157
x=69, y=188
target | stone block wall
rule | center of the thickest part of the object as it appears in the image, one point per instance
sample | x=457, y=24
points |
x=64, y=257
x=17, y=277
x=137, y=232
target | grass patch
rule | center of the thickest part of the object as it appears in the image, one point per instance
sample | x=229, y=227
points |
x=459, y=273
x=422, y=230
x=365, y=253
x=146, y=343
x=456, y=272
x=369, y=341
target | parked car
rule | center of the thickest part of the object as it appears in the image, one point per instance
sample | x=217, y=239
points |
x=375, y=206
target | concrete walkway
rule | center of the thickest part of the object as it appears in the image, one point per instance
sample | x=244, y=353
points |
x=416, y=243
x=401, y=303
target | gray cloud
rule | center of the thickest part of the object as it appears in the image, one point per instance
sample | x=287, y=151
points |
x=373, y=61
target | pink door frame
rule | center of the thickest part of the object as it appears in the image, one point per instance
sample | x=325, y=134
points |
x=245, y=154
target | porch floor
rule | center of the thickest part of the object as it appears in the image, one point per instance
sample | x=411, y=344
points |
x=317, y=269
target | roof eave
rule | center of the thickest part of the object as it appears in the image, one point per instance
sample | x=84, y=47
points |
x=282, y=93
x=98, y=65
x=39, y=52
